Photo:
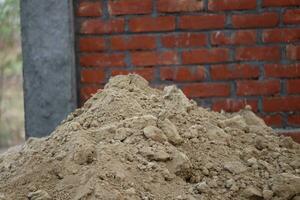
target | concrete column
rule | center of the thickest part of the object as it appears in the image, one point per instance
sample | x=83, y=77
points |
x=49, y=64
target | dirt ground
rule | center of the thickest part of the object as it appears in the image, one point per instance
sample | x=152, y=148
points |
x=131, y=141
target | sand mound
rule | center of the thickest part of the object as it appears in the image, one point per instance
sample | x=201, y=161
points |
x=134, y=142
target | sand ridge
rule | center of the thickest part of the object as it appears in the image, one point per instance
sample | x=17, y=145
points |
x=131, y=141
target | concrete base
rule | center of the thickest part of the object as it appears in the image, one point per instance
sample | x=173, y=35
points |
x=49, y=64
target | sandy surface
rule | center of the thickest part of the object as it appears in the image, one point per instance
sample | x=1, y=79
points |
x=132, y=142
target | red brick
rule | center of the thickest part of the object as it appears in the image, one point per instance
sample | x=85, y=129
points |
x=102, y=60
x=146, y=24
x=201, y=56
x=280, y=3
x=233, y=105
x=294, y=119
x=258, y=53
x=207, y=90
x=201, y=22
x=147, y=73
x=277, y=104
x=125, y=7
x=282, y=71
x=89, y=9
x=236, y=38
x=220, y=5
x=98, y=26
x=269, y=19
x=293, y=52
x=183, y=40
x=91, y=44
x=281, y=35
x=92, y=76
x=182, y=73
x=273, y=120
x=150, y=58
x=137, y=42
x=179, y=5
x=87, y=91
x=254, y=88
x=227, y=72
x=293, y=86
x=291, y=17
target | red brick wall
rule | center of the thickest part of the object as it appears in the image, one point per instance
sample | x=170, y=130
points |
x=223, y=53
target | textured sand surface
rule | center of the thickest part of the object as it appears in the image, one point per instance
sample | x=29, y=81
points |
x=131, y=141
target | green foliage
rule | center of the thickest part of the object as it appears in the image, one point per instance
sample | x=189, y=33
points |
x=10, y=20
x=10, y=54
x=12, y=113
x=11, y=96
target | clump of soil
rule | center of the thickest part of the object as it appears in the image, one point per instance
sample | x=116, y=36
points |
x=131, y=141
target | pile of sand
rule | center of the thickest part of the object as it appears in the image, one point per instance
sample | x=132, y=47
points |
x=134, y=142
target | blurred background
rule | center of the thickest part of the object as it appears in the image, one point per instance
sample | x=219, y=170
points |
x=11, y=93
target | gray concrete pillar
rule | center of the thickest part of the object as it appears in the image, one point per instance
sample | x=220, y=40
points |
x=49, y=64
